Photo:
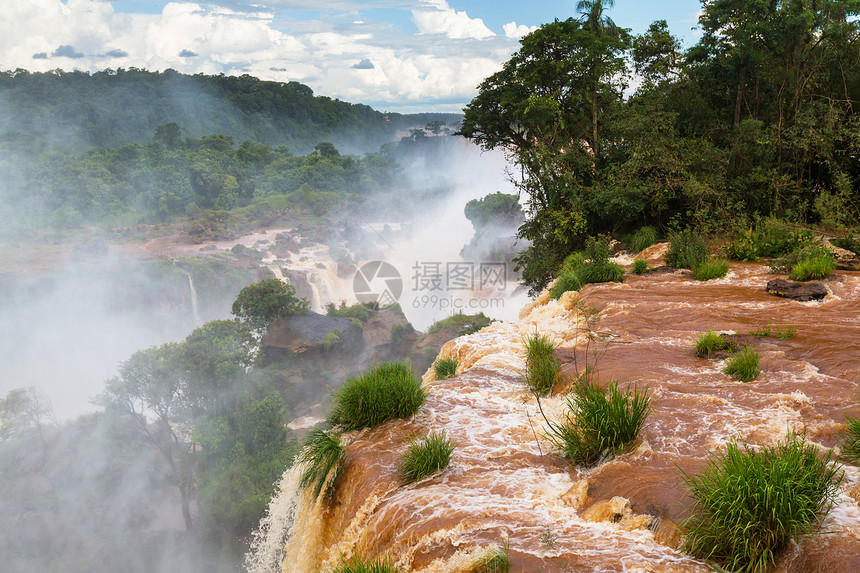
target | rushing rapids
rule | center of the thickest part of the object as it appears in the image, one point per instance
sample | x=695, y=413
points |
x=505, y=486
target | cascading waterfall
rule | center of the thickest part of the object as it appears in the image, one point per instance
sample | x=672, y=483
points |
x=195, y=307
x=506, y=485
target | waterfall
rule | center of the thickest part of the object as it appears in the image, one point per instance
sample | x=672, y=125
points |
x=267, y=545
x=194, y=306
x=506, y=486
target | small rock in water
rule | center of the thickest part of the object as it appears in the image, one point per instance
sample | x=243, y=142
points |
x=796, y=291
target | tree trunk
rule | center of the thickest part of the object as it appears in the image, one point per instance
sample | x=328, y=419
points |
x=595, y=149
x=186, y=506
x=740, y=95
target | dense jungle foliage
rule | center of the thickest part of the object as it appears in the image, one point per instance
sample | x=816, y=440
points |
x=171, y=175
x=613, y=131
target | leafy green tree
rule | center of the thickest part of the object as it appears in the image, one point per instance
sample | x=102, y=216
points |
x=265, y=301
x=540, y=108
x=168, y=134
x=242, y=456
x=23, y=409
x=151, y=392
x=214, y=359
x=656, y=54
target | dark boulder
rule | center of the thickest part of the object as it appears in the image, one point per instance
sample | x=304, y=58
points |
x=796, y=291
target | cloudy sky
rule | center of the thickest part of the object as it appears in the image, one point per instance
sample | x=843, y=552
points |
x=395, y=55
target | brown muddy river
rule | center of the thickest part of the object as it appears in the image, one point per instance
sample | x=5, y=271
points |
x=506, y=486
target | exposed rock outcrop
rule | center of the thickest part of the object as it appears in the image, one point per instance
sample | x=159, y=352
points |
x=796, y=291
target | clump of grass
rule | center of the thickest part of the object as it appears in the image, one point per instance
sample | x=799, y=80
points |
x=388, y=390
x=640, y=266
x=710, y=269
x=788, y=261
x=323, y=451
x=599, y=422
x=748, y=503
x=777, y=331
x=687, y=250
x=709, y=343
x=542, y=367
x=356, y=565
x=851, y=440
x=814, y=268
x=643, y=238
x=591, y=266
x=495, y=560
x=445, y=368
x=572, y=262
x=428, y=456
x=743, y=365
x=602, y=272
x=566, y=282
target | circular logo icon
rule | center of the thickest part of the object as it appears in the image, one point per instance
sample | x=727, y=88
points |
x=377, y=282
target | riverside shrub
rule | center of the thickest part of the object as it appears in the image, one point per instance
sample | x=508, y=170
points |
x=386, y=391
x=749, y=502
x=710, y=269
x=445, y=368
x=542, y=366
x=743, y=365
x=687, y=250
x=600, y=422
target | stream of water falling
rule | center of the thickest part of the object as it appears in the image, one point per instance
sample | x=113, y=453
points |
x=504, y=483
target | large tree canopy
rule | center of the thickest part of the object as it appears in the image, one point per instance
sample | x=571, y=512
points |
x=756, y=120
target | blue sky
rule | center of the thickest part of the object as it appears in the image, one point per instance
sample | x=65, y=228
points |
x=396, y=55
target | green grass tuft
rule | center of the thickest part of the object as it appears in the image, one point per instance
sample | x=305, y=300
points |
x=587, y=273
x=851, y=441
x=572, y=262
x=748, y=503
x=495, y=560
x=813, y=268
x=322, y=452
x=386, y=391
x=602, y=272
x=542, y=367
x=599, y=422
x=445, y=368
x=566, y=282
x=743, y=365
x=710, y=269
x=428, y=456
x=642, y=239
x=356, y=565
x=640, y=266
x=709, y=343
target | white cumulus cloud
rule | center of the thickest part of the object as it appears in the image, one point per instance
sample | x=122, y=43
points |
x=513, y=31
x=436, y=17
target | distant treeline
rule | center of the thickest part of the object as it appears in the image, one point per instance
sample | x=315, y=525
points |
x=113, y=108
x=171, y=175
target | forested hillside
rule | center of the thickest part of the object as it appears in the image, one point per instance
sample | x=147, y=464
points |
x=113, y=108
